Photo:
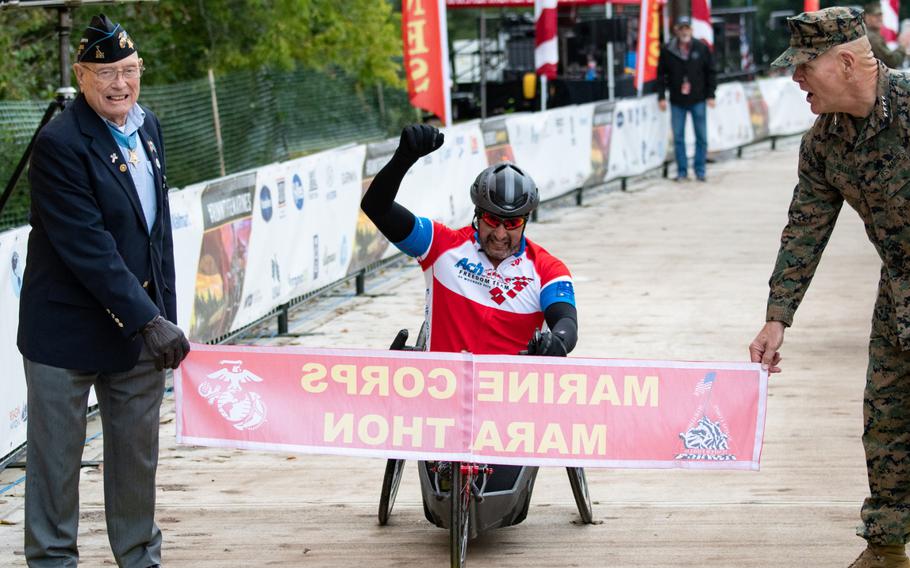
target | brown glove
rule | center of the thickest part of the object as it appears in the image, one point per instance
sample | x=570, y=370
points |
x=166, y=343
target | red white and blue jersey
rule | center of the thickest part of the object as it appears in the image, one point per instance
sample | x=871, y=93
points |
x=472, y=306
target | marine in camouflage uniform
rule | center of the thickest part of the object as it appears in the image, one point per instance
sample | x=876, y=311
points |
x=865, y=162
x=893, y=58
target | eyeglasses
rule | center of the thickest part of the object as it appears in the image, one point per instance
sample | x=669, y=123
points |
x=509, y=223
x=109, y=75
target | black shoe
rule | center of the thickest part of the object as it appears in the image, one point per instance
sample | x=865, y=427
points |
x=702, y=179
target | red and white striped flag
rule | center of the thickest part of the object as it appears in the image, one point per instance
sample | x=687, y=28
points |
x=546, y=53
x=890, y=21
x=701, y=21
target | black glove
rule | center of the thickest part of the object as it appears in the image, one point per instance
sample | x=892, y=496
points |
x=547, y=344
x=166, y=343
x=418, y=140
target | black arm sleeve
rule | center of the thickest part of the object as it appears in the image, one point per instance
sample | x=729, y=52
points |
x=393, y=220
x=562, y=319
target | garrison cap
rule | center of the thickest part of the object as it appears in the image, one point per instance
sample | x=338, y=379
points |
x=813, y=33
x=104, y=42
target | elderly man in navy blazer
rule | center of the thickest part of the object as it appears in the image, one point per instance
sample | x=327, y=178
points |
x=98, y=306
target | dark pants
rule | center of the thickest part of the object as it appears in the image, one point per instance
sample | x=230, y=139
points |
x=886, y=439
x=129, y=404
x=699, y=113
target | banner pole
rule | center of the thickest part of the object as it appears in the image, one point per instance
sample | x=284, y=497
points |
x=543, y=92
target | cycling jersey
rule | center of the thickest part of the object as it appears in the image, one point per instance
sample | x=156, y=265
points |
x=471, y=306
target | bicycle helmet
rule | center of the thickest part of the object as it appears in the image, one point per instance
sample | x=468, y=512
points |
x=505, y=191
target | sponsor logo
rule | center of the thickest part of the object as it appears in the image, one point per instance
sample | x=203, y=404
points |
x=314, y=186
x=297, y=185
x=18, y=416
x=519, y=283
x=315, y=256
x=343, y=253
x=276, y=277
x=472, y=267
x=180, y=221
x=282, y=196
x=265, y=203
x=243, y=409
x=16, y=273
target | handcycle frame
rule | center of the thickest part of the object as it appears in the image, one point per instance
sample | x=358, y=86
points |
x=464, y=477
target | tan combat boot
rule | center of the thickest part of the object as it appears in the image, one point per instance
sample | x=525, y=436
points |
x=892, y=556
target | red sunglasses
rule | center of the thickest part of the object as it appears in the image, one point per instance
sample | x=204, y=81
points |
x=510, y=223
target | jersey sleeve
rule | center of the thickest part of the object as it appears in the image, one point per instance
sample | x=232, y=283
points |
x=419, y=241
x=555, y=280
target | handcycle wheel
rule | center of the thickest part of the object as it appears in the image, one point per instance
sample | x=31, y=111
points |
x=460, y=519
x=394, y=469
x=579, y=484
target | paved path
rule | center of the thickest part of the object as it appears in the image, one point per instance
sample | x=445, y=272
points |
x=663, y=271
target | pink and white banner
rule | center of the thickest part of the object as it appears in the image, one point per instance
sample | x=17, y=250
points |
x=460, y=407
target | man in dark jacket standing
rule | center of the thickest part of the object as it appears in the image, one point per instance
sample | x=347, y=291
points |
x=686, y=68
x=97, y=306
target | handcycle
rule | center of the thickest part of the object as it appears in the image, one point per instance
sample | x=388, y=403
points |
x=469, y=499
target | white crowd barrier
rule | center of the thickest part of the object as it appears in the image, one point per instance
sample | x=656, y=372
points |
x=249, y=242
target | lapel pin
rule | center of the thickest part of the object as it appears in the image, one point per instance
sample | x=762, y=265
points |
x=114, y=158
x=123, y=168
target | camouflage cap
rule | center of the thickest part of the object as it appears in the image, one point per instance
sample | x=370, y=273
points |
x=813, y=33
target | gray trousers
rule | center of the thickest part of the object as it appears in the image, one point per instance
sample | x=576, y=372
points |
x=129, y=405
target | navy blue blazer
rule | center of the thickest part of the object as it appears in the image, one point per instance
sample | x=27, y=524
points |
x=94, y=275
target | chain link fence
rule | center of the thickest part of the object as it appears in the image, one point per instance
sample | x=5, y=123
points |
x=263, y=117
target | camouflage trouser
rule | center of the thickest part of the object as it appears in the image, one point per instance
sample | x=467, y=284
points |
x=886, y=439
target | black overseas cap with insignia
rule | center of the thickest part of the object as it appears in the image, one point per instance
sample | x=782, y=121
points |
x=104, y=42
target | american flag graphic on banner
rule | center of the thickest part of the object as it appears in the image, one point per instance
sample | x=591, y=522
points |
x=705, y=384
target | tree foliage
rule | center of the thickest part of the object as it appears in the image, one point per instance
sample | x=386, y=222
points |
x=182, y=39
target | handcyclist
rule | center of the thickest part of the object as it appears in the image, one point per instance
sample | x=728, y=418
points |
x=489, y=287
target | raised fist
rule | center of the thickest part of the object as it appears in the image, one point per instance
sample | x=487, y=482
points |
x=418, y=140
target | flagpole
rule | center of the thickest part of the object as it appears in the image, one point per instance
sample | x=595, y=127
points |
x=611, y=81
x=543, y=92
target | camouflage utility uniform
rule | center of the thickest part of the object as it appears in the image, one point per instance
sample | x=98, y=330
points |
x=865, y=162
x=893, y=58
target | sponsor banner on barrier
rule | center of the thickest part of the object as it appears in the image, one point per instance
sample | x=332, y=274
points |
x=13, y=403
x=729, y=122
x=305, y=214
x=639, y=138
x=227, y=220
x=601, y=134
x=320, y=233
x=553, y=147
x=369, y=244
x=789, y=110
x=758, y=110
x=496, y=141
x=187, y=227
x=490, y=409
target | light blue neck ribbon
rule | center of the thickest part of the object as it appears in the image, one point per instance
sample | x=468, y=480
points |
x=122, y=139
